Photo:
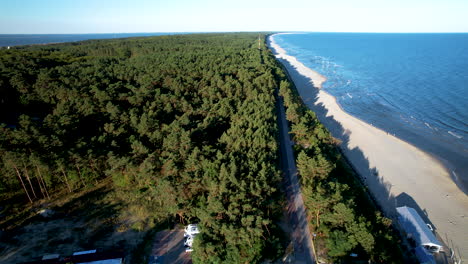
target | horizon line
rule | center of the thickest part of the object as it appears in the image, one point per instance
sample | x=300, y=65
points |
x=241, y=31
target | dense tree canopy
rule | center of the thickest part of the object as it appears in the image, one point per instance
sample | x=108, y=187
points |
x=185, y=127
x=187, y=123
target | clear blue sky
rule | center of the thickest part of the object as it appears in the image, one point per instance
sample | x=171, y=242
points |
x=118, y=16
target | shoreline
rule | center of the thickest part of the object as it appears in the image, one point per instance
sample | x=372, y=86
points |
x=395, y=171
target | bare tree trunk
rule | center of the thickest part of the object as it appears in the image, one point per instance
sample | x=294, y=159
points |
x=79, y=174
x=267, y=229
x=22, y=183
x=43, y=182
x=317, y=217
x=181, y=218
x=66, y=180
x=40, y=186
x=29, y=179
x=92, y=165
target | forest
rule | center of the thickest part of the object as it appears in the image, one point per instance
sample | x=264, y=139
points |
x=181, y=129
x=185, y=126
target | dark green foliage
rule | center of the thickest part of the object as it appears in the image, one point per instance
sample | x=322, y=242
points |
x=338, y=244
x=185, y=126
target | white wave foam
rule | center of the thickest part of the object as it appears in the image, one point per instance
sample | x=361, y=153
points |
x=455, y=135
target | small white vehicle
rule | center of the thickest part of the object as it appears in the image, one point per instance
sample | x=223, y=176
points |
x=191, y=230
x=188, y=242
x=188, y=249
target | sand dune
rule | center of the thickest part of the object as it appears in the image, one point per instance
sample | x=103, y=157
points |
x=396, y=172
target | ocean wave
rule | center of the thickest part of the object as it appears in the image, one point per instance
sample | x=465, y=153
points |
x=455, y=135
x=451, y=125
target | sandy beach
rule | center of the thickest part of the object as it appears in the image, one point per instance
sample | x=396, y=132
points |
x=396, y=172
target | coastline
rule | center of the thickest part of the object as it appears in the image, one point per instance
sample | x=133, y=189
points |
x=396, y=172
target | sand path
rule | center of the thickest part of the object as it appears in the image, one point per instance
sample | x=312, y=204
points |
x=396, y=172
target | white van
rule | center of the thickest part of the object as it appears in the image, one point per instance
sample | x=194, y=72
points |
x=191, y=230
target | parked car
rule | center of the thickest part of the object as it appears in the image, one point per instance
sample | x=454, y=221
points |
x=191, y=230
x=188, y=241
x=190, y=233
x=188, y=249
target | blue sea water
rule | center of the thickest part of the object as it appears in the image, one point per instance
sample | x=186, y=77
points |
x=412, y=85
x=29, y=39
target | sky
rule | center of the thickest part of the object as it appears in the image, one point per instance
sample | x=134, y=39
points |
x=119, y=16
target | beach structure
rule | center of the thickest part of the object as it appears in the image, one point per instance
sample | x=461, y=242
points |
x=418, y=231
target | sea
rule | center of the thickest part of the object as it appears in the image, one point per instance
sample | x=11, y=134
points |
x=412, y=85
x=30, y=39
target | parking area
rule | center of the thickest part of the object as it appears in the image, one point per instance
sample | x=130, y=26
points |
x=169, y=247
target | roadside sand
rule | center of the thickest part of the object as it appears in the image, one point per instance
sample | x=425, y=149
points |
x=396, y=172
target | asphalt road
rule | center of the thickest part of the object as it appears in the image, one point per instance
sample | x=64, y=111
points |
x=300, y=235
x=168, y=248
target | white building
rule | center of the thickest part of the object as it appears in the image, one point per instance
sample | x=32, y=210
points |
x=417, y=230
